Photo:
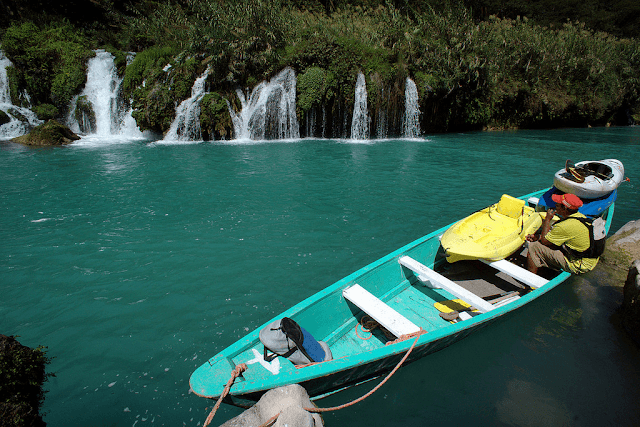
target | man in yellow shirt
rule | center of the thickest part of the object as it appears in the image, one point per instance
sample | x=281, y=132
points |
x=558, y=246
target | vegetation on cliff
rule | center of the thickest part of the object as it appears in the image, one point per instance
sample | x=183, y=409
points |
x=49, y=63
x=472, y=68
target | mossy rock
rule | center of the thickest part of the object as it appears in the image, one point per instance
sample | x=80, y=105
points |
x=22, y=374
x=85, y=115
x=621, y=250
x=215, y=119
x=49, y=133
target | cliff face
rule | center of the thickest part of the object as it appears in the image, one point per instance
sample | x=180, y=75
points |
x=22, y=375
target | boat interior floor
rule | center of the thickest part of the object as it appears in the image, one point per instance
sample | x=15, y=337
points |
x=482, y=279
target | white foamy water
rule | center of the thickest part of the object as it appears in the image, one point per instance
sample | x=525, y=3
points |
x=186, y=125
x=360, y=121
x=270, y=110
x=102, y=91
x=21, y=120
x=411, y=122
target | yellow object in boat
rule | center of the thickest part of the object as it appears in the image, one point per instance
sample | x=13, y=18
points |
x=492, y=233
x=451, y=305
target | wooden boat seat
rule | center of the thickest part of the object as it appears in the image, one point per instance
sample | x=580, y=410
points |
x=386, y=316
x=518, y=273
x=425, y=274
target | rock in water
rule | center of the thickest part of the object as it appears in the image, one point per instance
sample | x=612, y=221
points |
x=288, y=401
x=623, y=255
x=49, y=133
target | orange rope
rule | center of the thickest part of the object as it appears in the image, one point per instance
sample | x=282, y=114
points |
x=360, y=399
x=369, y=327
x=236, y=372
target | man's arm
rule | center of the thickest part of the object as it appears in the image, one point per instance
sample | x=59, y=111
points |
x=546, y=226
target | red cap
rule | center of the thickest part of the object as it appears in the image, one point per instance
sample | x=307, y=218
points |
x=571, y=201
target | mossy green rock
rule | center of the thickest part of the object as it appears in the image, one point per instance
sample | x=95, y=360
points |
x=215, y=119
x=49, y=133
x=22, y=374
x=85, y=116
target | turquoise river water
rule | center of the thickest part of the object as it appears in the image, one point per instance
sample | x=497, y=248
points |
x=136, y=261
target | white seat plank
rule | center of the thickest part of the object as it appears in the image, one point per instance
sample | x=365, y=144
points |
x=518, y=273
x=392, y=321
x=423, y=272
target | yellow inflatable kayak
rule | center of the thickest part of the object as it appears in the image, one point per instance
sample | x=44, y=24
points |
x=492, y=233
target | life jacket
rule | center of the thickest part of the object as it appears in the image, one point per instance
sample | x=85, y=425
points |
x=597, y=238
x=286, y=338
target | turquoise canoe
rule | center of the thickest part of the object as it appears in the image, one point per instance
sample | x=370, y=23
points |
x=405, y=291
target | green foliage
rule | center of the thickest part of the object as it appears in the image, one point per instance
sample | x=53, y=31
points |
x=471, y=73
x=22, y=374
x=166, y=84
x=147, y=64
x=51, y=61
x=314, y=86
x=239, y=38
x=618, y=17
x=215, y=119
x=45, y=111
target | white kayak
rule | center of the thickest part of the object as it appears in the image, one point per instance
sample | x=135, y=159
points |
x=590, y=179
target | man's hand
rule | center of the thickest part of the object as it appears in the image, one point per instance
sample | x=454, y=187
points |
x=550, y=213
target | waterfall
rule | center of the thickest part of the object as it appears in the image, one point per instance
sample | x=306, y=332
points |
x=5, y=97
x=21, y=120
x=186, y=125
x=360, y=121
x=99, y=109
x=270, y=110
x=411, y=123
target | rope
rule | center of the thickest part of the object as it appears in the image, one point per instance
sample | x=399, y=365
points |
x=368, y=325
x=236, y=372
x=360, y=399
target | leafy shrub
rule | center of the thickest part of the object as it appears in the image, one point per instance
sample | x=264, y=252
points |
x=215, y=119
x=51, y=61
x=45, y=111
x=147, y=64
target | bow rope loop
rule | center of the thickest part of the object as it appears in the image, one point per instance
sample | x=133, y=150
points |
x=235, y=374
